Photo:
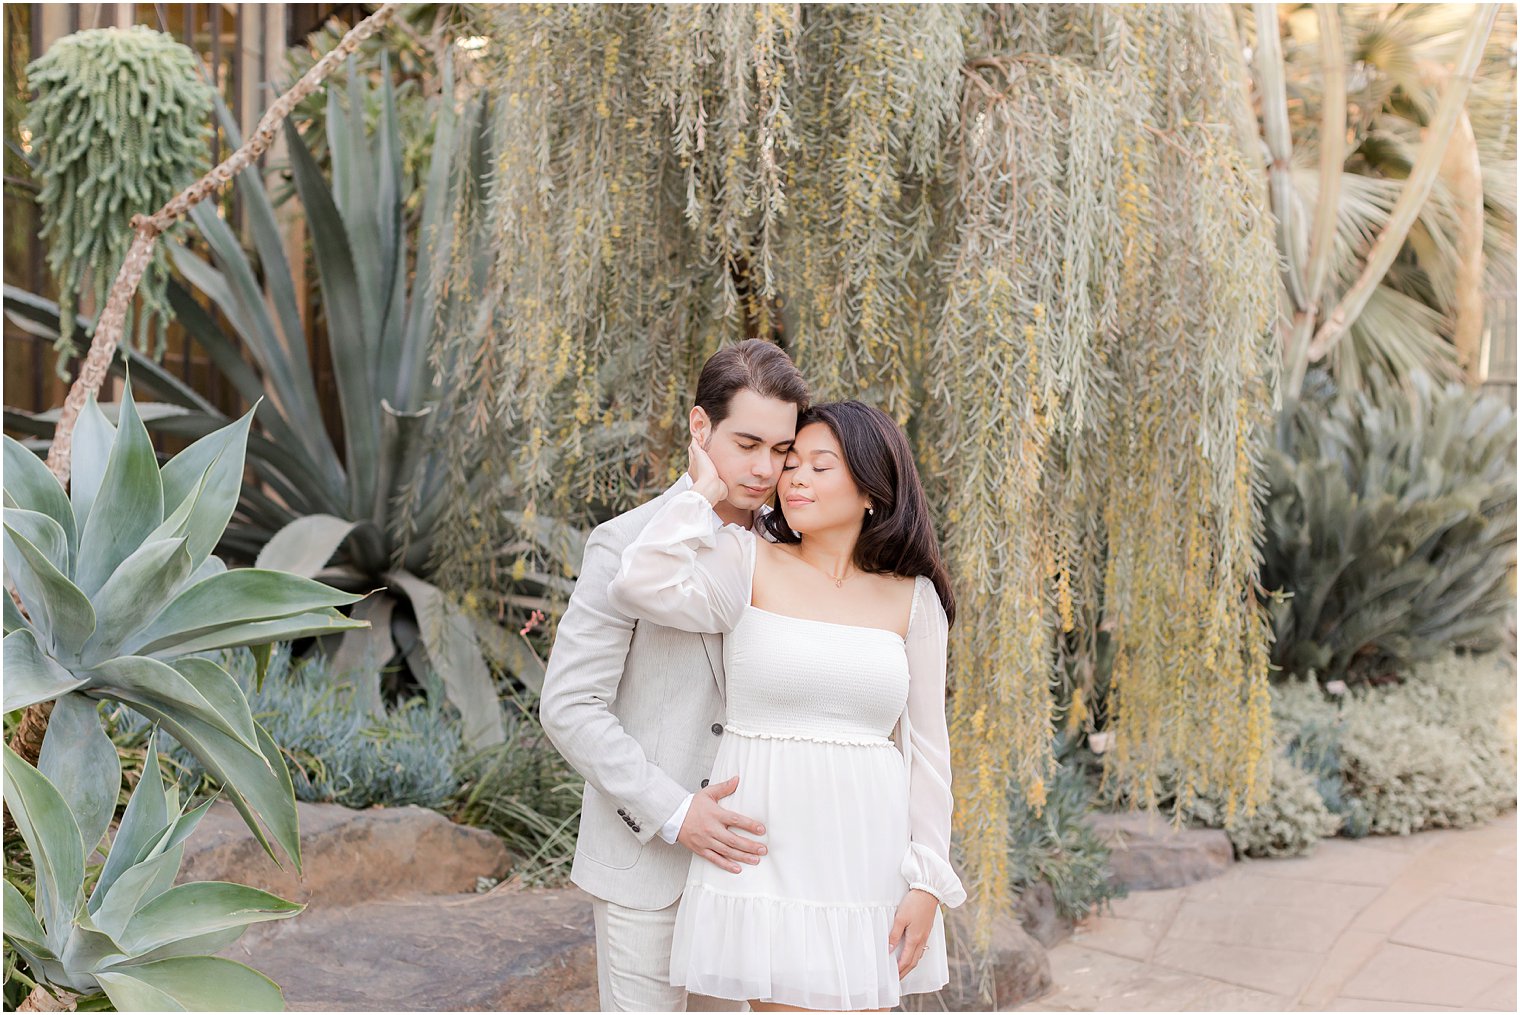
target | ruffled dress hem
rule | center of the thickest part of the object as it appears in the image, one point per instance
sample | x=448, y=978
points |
x=819, y=955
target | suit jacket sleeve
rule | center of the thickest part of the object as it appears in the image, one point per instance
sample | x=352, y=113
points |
x=581, y=682
x=926, y=736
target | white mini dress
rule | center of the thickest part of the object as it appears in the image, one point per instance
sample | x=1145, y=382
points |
x=854, y=817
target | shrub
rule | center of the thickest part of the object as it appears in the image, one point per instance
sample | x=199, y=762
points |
x=1060, y=848
x=1391, y=530
x=1293, y=818
x=338, y=752
x=1436, y=752
x=1310, y=726
x=523, y=790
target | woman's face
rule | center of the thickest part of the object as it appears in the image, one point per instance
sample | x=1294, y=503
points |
x=816, y=490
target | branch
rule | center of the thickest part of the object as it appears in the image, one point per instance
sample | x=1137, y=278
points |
x=1332, y=167
x=1416, y=189
x=1271, y=76
x=1332, y=149
x=27, y=740
x=147, y=227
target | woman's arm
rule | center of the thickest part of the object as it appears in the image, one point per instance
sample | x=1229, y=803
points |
x=687, y=569
x=926, y=737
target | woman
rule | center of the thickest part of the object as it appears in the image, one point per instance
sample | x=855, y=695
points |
x=835, y=641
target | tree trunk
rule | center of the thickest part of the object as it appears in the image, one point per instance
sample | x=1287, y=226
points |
x=27, y=740
x=1416, y=189
x=1464, y=178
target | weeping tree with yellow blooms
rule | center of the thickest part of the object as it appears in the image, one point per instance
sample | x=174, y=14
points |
x=1038, y=236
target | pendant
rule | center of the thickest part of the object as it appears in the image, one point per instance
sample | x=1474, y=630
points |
x=839, y=583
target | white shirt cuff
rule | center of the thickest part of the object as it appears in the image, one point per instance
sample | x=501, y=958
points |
x=672, y=828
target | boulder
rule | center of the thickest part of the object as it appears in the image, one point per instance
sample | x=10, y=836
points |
x=348, y=856
x=1036, y=907
x=509, y=949
x=1148, y=854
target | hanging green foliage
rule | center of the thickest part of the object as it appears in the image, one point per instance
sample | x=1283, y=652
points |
x=119, y=125
x=1036, y=235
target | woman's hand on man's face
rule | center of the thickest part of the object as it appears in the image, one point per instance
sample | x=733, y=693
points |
x=704, y=474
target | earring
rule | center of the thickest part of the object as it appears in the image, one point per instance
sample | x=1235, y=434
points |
x=870, y=511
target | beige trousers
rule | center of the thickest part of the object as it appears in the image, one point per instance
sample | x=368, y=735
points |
x=633, y=962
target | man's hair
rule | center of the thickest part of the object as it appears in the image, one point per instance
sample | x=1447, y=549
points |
x=755, y=364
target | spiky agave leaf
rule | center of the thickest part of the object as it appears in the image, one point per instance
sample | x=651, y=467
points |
x=121, y=616
x=138, y=937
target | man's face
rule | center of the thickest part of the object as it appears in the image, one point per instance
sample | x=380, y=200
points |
x=749, y=446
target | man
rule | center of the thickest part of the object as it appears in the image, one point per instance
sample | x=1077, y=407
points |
x=637, y=709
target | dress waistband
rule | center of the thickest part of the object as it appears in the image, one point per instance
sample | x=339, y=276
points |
x=865, y=740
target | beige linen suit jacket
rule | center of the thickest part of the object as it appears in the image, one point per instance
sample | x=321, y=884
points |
x=637, y=709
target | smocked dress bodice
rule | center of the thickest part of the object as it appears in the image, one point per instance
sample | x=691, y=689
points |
x=836, y=683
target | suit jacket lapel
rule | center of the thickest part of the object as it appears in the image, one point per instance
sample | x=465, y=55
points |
x=713, y=643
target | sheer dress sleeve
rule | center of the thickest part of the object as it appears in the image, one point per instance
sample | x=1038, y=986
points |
x=687, y=569
x=926, y=750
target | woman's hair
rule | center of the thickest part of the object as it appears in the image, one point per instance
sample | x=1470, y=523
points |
x=898, y=536
x=755, y=364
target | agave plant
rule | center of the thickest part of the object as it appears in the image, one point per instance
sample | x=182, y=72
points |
x=364, y=518
x=139, y=938
x=120, y=589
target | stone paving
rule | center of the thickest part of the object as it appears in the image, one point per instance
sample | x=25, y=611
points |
x=1386, y=923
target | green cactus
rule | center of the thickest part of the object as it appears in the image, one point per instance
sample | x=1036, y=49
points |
x=120, y=123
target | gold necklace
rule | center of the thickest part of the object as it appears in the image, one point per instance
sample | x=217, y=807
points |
x=838, y=580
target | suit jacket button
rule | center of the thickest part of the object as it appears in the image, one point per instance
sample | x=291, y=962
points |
x=704, y=783
x=635, y=828
x=717, y=728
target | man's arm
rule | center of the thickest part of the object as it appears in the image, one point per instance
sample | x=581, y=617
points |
x=581, y=682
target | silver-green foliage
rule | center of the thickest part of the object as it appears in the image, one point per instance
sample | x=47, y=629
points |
x=523, y=790
x=338, y=750
x=1290, y=822
x=363, y=519
x=1437, y=751
x=1392, y=526
x=1059, y=848
x=144, y=941
x=120, y=589
x=1036, y=235
x=118, y=126
x=1434, y=751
